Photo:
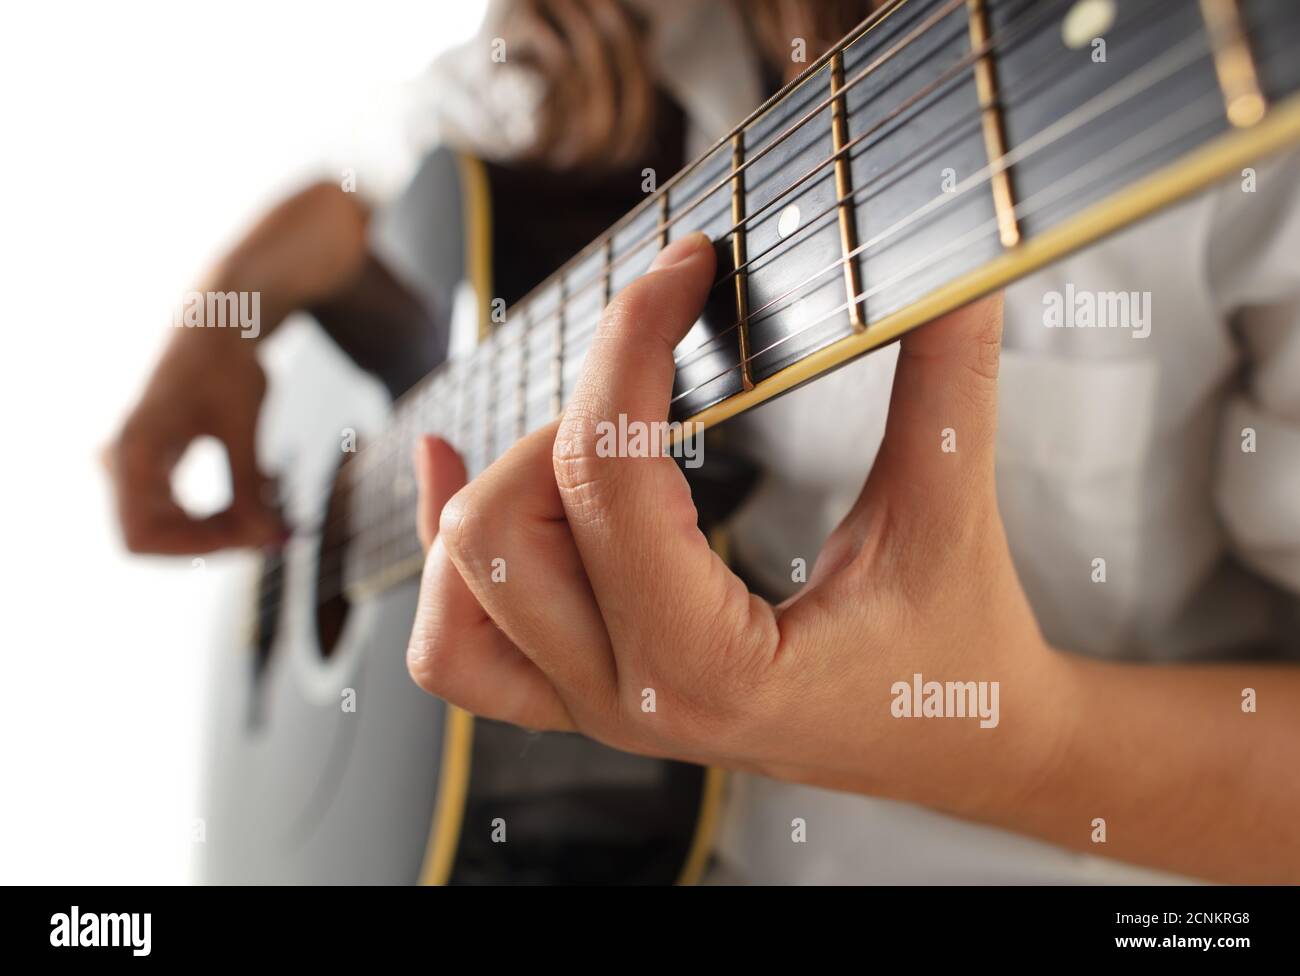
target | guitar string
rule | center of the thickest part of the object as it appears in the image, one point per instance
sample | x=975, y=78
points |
x=493, y=350
x=1027, y=206
x=496, y=344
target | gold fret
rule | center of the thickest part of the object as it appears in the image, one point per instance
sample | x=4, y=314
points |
x=738, y=257
x=995, y=140
x=1233, y=62
x=844, y=192
x=663, y=220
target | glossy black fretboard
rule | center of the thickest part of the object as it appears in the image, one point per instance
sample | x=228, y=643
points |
x=854, y=193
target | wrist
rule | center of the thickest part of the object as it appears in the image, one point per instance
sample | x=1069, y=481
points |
x=251, y=287
x=995, y=774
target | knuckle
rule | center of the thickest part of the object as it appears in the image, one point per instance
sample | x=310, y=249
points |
x=583, y=477
x=988, y=353
x=459, y=526
x=988, y=341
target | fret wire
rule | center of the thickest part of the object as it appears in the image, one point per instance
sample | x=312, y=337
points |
x=738, y=258
x=843, y=190
x=1234, y=65
x=995, y=140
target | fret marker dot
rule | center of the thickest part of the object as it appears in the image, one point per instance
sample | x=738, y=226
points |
x=789, y=221
x=1086, y=20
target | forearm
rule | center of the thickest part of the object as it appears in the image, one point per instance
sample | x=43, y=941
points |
x=308, y=250
x=1184, y=778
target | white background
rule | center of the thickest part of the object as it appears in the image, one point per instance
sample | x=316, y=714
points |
x=138, y=139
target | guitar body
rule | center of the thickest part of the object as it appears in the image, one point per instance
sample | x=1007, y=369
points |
x=326, y=763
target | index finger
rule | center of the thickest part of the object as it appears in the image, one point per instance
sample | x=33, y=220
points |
x=627, y=503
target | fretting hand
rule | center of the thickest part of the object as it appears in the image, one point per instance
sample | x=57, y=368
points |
x=569, y=590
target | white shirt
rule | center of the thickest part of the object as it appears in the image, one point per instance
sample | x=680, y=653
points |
x=1110, y=446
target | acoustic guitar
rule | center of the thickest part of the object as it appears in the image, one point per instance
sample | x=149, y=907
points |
x=940, y=151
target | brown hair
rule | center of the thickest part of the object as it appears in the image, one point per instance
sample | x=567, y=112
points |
x=598, y=100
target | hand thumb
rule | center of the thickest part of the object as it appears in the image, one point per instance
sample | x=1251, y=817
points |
x=440, y=473
x=942, y=425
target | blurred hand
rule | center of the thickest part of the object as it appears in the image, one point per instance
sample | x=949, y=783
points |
x=207, y=384
x=305, y=250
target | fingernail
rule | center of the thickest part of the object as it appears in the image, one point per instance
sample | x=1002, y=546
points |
x=680, y=250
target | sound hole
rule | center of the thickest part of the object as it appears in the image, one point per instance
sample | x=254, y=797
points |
x=332, y=604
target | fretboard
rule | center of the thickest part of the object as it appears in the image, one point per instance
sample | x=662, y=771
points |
x=941, y=150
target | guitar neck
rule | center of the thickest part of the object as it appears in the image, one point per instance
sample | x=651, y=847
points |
x=942, y=150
